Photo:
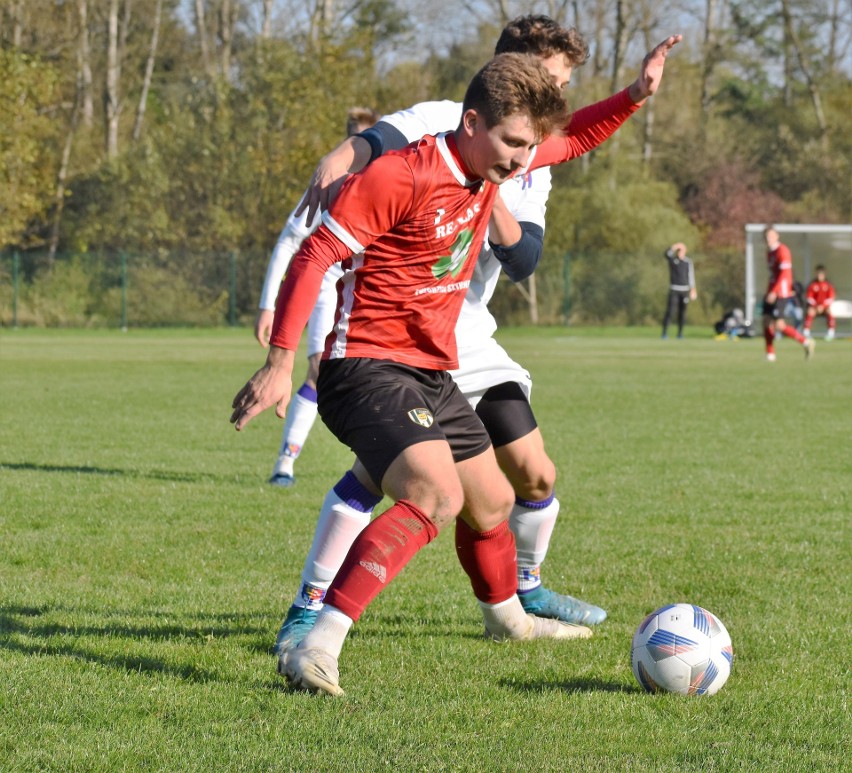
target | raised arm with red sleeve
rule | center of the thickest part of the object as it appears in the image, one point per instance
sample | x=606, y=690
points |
x=588, y=128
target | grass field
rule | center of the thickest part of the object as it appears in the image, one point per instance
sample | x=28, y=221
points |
x=145, y=566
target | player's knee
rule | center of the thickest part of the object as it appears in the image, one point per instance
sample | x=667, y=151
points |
x=535, y=481
x=441, y=504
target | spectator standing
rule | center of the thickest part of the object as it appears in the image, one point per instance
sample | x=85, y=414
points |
x=681, y=287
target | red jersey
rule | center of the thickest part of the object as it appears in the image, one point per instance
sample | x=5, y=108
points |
x=410, y=227
x=820, y=293
x=780, y=265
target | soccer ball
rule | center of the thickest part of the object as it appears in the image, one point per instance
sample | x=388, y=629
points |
x=682, y=648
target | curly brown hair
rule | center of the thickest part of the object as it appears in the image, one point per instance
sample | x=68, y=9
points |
x=542, y=36
x=512, y=84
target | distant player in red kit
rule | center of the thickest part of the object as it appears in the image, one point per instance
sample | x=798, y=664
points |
x=780, y=265
x=820, y=296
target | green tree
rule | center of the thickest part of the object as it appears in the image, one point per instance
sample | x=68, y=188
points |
x=28, y=94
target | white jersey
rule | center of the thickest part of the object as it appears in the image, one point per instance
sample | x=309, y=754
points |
x=483, y=363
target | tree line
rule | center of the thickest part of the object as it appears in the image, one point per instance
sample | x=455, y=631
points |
x=177, y=130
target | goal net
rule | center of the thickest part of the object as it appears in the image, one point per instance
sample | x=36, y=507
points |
x=811, y=246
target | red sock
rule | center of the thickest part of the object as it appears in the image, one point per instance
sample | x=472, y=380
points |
x=378, y=555
x=490, y=561
x=791, y=332
x=769, y=337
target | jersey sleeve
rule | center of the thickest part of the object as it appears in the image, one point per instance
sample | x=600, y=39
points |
x=588, y=128
x=295, y=231
x=811, y=294
x=425, y=118
x=528, y=204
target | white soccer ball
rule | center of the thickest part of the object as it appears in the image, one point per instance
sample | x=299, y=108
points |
x=682, y=648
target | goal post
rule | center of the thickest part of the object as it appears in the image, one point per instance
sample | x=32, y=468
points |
x=810, y=245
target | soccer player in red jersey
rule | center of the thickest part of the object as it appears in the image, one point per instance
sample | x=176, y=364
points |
x=820, y=295
x=780, y=265
x=413, y=221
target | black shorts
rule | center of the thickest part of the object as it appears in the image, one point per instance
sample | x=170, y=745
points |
x=379, y=408
x=506, y=413
x=773, y=309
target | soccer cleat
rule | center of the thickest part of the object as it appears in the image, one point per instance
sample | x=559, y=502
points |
x=295, y=627
x=770, y=357
x=810, y=345
x=829, y=334
x=314, y=670
x=283, y=479
x=534, y=627
x=543, y=602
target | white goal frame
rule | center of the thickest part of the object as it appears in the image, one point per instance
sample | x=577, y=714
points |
x=810, y=245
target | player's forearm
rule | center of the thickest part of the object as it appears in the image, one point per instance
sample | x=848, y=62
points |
x=349, y=157
x=520, y=259
x=286, y=246
x=588, y=128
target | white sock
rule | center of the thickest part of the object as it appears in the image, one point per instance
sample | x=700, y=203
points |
x=301, y=415
x=338, y=525
x=329, y=631
x=532, y=524
x=506, y=619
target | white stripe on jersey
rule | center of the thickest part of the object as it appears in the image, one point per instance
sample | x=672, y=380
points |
x=337, y=348
x=341, y=233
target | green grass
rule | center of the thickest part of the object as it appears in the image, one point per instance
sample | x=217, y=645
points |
x=145, y=566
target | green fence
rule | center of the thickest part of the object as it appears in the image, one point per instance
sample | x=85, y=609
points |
x=167, y=289
x=126, y=289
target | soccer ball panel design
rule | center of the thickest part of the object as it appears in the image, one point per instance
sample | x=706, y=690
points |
x=682, y=648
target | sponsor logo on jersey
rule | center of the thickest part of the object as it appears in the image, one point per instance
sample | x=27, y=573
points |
x=377, y=570
x=454, y=262
x=421, y=416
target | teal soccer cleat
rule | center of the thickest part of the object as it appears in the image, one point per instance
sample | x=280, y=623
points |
x=543, y=602
x=295, y=627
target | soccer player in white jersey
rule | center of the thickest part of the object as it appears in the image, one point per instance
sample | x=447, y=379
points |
x=302, y=411
x=496, y=386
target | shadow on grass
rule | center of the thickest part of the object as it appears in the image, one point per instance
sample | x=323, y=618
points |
x=23, y=622
x=165, y=475
x=567, y=685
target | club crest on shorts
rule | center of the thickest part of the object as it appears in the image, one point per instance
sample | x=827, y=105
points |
x=422, y=416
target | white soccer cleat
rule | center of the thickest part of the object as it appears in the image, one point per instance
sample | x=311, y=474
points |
x=810, y=345
x=532, y=627
x=829, y=334
x=314, y=670
x=770, y=357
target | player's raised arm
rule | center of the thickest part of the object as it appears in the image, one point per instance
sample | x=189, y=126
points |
x=651, y=72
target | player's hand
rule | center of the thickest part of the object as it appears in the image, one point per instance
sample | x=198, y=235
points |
x=693, y=295
x=771, y=297
x=271, y=385
x=349, y=156
x=263, y=326
x=651, y=73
